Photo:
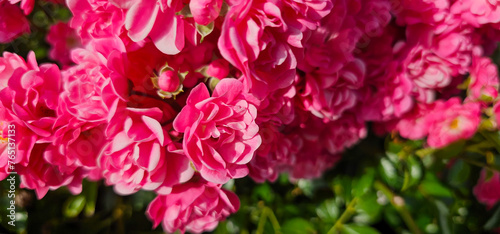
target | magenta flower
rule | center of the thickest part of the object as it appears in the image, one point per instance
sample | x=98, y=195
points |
x=220, y=133
x=451, y=121
x=157, y=20
x=218, y=68
x=329, y=95
x=62, y=39
x=140, y=154
x=484, y=80
x=265, y=55
x=195, y=206
x=205, y=11
x=9, y=63
x=42, y=176
x=488, y=191
x=95, y=19
x=12, y=22
x=414, y=124
x=32, y=94
x=477, y=12
x=272, y=156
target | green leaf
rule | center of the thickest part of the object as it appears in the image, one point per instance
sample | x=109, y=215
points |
x=493, y=137
x=393, y=147
x=328, y=211
x=186, y=12
x=74, y=206
x=297, y=226
x=264, y=192
x=365, y=183
x=389, y=173
x=444, y=220
x=204, y=30
x=413, y=172
x=494, y=221
x=451, y=150
x=90, y=193
x=356, y=229
x=432, y=186
x=368, y=209
x=459, y=173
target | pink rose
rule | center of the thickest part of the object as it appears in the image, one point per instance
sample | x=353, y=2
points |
x=32, y=95
x=414, y=124
x=12, y=22
x=62, y=40
x=140, y=153
x=195, y=206
x=430, y=12
x=42, y=176
x=220, y=133
x=272, y=155
x=218, y=68
x=329, y=95
x=95, y=19
x=477, y=12
x=26, y=5
x=488, y=191
x=205, y=11
x=168, y=81
x=451, y=121
x=484, y=80
x=266, y=55
x=310, y=159
x=9, y=63
x=156, y=19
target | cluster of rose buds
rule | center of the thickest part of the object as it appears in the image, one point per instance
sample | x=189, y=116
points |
x=179, y=97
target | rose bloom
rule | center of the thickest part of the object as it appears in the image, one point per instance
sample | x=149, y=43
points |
x=195, y=206
x=483, y=79
x=451, y=121
x=62, y=39
x=12, y=22
x=220, y=133
x=488, y=191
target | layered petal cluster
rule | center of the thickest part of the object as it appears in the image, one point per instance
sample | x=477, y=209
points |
x=87, y=101
x=94, y=19
x=195, y=206
x=451, y=121
x=487, y=189
x=156, y=20
x=146, y=98
x=29, y=102
x=333, y=73
x=478, y=12
x=484, y=81
x=62, y=39
x=12, y=22
x=273, y=155
x=443, y=122
x=272, y=33
x=220, y=133
x=140, y=154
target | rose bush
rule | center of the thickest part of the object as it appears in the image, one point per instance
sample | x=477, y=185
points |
x=243, y=116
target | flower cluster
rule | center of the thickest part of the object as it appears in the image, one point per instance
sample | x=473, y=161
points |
x=179, y=97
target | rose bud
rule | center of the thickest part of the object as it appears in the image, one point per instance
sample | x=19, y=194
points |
x=169, y=81
x=218, y=68
x=205, y=11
